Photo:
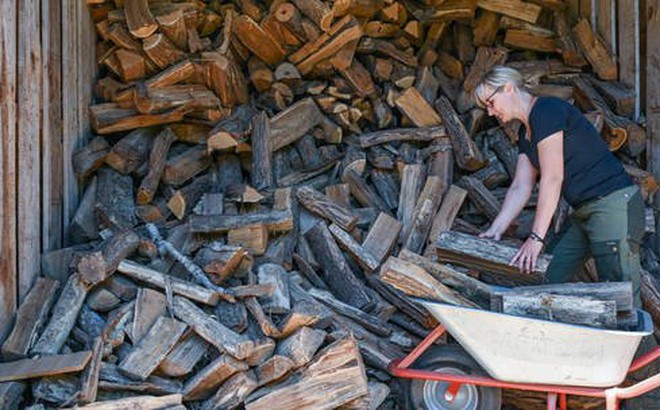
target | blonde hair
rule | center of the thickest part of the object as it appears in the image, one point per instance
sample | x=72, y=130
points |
x=496, y=78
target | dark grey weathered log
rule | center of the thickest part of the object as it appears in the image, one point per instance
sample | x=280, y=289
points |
x=336, y=273
x=96, y=267
x=422, y=134
x=323, y=206
x=261, y=175
x=274, y=220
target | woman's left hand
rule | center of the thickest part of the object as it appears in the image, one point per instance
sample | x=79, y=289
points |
x=527, y=255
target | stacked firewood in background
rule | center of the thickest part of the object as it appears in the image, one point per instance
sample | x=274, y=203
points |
x=269, y=181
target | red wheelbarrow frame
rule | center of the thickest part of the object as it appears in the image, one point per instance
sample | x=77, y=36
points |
x=612, y=395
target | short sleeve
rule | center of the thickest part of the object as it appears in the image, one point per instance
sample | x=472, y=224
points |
x=549, y=116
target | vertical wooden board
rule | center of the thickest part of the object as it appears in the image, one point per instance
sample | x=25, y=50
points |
x=29, y=141
x=8, y=263
x=70, y=109
x=652, y=15
x=585, y=9
x=52, y=158
x=604, y=16
x=627, y=44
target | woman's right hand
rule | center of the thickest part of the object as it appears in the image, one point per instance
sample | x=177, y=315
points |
x=492, y=233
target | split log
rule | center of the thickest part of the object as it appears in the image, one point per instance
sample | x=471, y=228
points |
x=44, y=366
x=232, y=392
x=160, y=280
x=157, y=159
x=149, y=306
x=253, y=238
x=109, y=118
x=138, y=402
x=381, y=238
x=415, y=281
x=294, y=122
x=487, y=255
x=349, y=244
x=258, y=41
x=326, y=208
x=273, y=220
x=63, y=317
x=261, y=175
x=184, y=356
x=90, y=157
x=184, y=166
x=466, y=152
x=412, y=177
x=363, y=192
x=338, y=368
x=480, y=196
x=115, y=205
x=522, y=10
x=30, y=317
x=421, y=113
x=424, y=134
x=279, y=301
x=273, y=369
x=89, y=380
x=595, y=50
x=562, y=308
x=336, y=273
x=446, y=215
x=139, y=19
x=369, y=322
x=97, y=267
x=211, y=330
x=213, y=375
x=183, y=200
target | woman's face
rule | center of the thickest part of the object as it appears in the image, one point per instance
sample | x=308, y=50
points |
x=498, y=103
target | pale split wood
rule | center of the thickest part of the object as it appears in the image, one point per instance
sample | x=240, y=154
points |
x=138, y=402
x=44, y=366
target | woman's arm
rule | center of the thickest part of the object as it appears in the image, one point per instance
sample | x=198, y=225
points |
x=551, y=163
x=516, y=198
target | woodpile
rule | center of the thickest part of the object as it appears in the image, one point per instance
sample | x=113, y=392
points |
x=270, y=182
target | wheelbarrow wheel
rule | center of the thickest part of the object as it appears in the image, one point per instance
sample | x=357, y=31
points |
x=430, y=395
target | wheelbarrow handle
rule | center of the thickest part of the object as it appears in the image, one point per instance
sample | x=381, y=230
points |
x=645, y=359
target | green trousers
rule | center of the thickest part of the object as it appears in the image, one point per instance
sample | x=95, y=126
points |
x=610, y=229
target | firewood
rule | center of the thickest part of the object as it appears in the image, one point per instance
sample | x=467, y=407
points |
x=412, y=104
x=258, y=41
x=11, y=394
x=273, y=369
x=415, y=281
x=412, y=177
x=303, y=313
x=181, y=168
x=466, y=152
x=345, y=369
x=96, y=267
x=562, y=308
x=367, y=321
x=521, y=10
x=184, y=356
x=444, y=219
x=301, y=346
x=487, y=254
x=260, y=75
x=254, y=238
x=336, y=273
x=617, y=130
x=110, y=379
x=160, y=280
x=261, y=174
x=291, y=124
x=157, y=99
x=90, y=378
x=423, y=134
x=273, y=220
x=211, y=330
x=571, y=53
x=141, y=402
x=485, y=28
x=157, y=158
x=63, y=317
x=369, y=45
x=454, y=10
x=480, y=196
x=618, y=96
x=131, y=65
x=232, y=392
x=279, y=300
x=140, y=21
x=91, y=157
x=102, y=300
x=149, y=306
x=183, y=200
x=386, y=184
x=646, y=182
x=31, y=315
x=130, y=152
x=363, y=193
x=595, y=50
x=44, y=366
x=349, y=244
x=308, y=271
x=173, y=25
x=108, y=118
x=425, y=208
x=382, y=236
x=206, y=380
x=485, y=60
x=324, y=207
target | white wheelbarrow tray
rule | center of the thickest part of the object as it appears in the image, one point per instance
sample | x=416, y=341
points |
x=526, y=350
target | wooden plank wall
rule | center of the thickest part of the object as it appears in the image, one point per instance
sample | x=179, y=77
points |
x=47, y=69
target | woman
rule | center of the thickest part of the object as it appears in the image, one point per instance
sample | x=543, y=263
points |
x=561, y=146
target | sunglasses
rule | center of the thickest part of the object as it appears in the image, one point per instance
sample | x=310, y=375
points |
x=488, y=102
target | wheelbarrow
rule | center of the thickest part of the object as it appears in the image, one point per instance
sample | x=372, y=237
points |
x=498, y=350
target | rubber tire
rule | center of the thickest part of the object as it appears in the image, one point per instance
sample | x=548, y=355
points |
x=489, y=398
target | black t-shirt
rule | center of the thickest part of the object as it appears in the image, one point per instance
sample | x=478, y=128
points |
x=590, y=169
